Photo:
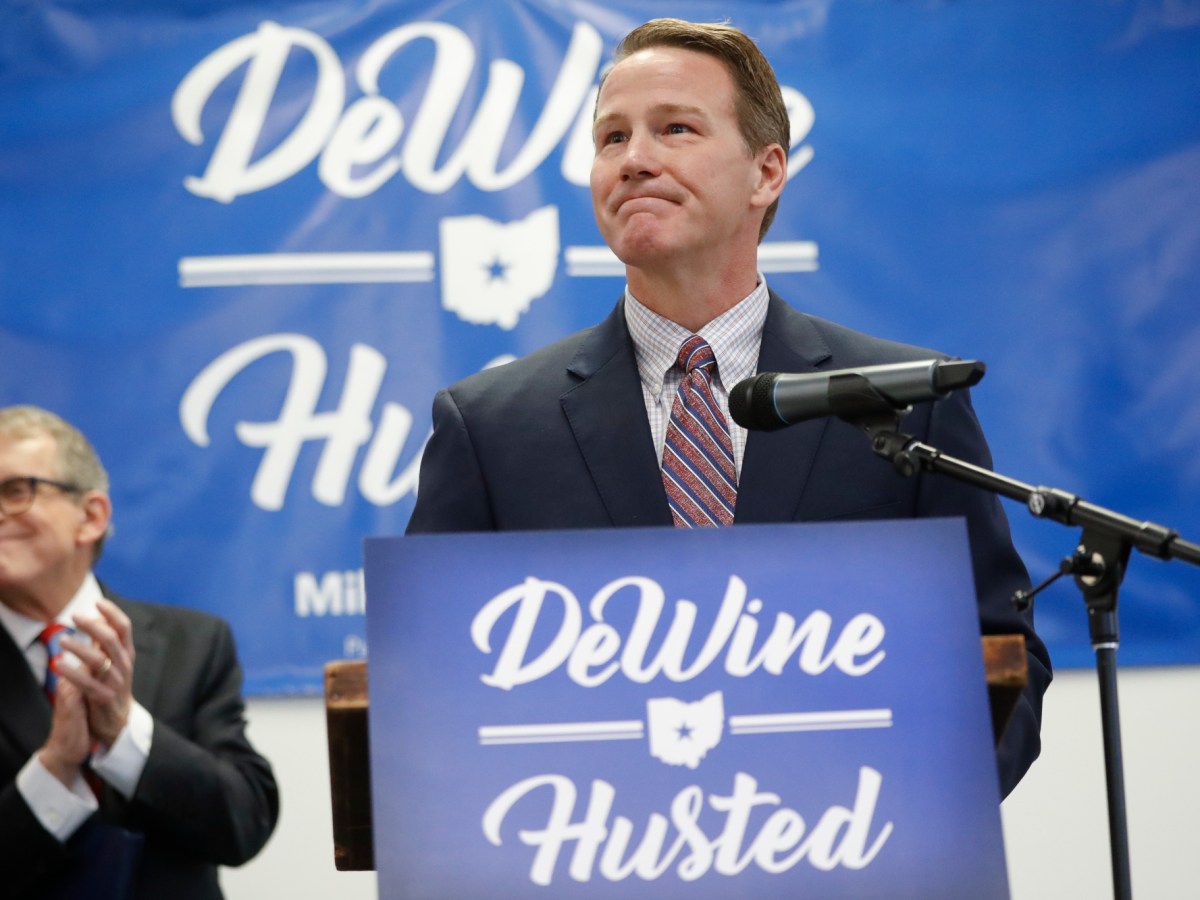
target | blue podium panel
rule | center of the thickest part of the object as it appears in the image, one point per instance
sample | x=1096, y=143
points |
x=767, y=711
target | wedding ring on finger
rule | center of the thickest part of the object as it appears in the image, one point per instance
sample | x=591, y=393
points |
x=104, y=667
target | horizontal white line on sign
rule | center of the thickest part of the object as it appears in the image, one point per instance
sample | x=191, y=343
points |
x=305, y=268
x=779, y=256
x=562, y=738
x=813, y=726
x=788, y=256
x=592, y=261
x=811, y=721
x=565, y=731
x=418, y=266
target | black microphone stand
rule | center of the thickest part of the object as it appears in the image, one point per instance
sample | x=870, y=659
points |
x=1098, y=564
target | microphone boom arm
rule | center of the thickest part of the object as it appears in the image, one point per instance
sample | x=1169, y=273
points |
x=909, y=456
x=1098, y=564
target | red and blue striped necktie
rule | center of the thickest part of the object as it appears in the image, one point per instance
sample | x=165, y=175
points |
x=698, y=469
x=51, y=636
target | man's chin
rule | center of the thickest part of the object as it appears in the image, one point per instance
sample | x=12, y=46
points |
x=641, y=249
x=643, y=262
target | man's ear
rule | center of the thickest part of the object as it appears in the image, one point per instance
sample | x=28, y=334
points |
x=772, y=175
x=97, y=513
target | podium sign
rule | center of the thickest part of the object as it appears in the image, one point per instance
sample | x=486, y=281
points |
x=766, y=711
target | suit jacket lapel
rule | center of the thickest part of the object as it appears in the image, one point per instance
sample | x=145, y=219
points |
x=607, y=415
x=24, y=709
x=776, y=465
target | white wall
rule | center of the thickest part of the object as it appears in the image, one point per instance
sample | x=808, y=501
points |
x=1055, y=823
x=297, y=862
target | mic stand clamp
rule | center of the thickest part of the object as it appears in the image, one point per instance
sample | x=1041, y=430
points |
x=1080, y=563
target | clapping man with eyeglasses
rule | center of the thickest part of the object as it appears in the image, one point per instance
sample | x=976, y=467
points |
x=124, y=766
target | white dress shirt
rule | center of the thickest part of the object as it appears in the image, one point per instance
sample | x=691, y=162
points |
x=62, y=809
x=735, y=337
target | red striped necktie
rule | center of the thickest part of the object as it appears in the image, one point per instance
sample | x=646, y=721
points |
x=51, y=637
x=698, y=469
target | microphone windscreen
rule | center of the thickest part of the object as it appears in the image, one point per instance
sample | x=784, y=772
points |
x=752, y=403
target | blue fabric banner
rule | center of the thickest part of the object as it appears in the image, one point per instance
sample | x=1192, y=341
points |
x=242, y=244
x=749, y=712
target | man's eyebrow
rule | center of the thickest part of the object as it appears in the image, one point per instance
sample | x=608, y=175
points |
x=658, y=109
x=601, y=120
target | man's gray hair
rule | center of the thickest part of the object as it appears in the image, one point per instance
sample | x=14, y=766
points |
x=77, y=464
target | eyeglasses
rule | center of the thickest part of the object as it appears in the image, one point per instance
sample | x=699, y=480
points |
x=17, y=494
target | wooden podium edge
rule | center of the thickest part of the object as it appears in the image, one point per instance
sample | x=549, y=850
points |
x=349, y=764
x=346, y=707
x=1006, y=666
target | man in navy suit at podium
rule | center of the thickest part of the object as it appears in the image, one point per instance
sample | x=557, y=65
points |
x=691, y=138
x=126, y=772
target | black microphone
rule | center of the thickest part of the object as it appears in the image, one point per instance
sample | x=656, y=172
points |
x=772, y=400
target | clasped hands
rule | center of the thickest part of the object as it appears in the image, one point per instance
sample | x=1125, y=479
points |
x=94, y=698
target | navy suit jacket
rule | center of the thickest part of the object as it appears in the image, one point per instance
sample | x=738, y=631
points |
x=560, y=439
x=205, y=796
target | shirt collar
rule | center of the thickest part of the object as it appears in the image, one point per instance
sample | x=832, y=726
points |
x=24, y=630
x=735, y=337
